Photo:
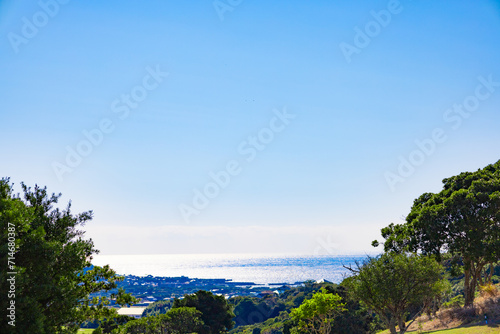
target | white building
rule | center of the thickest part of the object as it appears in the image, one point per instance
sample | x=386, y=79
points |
x=133, y=311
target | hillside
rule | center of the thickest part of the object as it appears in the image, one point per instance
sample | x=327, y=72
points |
x=461, y=330
x=458, y=320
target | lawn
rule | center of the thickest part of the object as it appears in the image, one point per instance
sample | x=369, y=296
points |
x=85, y=330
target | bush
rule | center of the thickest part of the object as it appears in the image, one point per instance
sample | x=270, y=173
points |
x=176, y=321
x=488, y=290
x=107, y=326
x=159, y=307
x=455, y=302
x=98, y=330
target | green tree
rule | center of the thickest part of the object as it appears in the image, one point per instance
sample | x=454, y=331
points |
x=182, y=320
x=392, y=284
x=356, y=319
x=316, y=315
x=462, y=220
x=215, y=311
x=251, y=310
x=159, y=307
x=50, y=258
x=108, y=325
x=147, y=325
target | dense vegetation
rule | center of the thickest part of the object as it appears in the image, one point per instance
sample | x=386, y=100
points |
x=463, y=220
x=176, y=321
x=47, y=286
x=393, y=285
x=317, y=314
x=216, y=313
x=355, y=318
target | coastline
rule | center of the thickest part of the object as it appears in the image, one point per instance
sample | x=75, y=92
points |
x=260, y=269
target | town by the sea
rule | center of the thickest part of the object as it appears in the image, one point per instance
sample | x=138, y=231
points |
x=257, y=268
x=165, y=277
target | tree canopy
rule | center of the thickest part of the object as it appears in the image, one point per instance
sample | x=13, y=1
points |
x=49, y=265
x=182, y=320
x=393, y=283
x=317, y=314
x=216, y=313
x=462, y=220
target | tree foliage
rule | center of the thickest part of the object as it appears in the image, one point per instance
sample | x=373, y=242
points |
x=251, y=310
x=49, y=257
x=108, y=325
x=462, y=220
x=317, y=314
x=392, y=284
x=156, y=308
x=215, y=311
x=356, y=320
x=181, y=320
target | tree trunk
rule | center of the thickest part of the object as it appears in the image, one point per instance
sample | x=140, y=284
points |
x=469, y=284
x=472, y=277
x=392, y=326
x=402, y=325
x=490, y=276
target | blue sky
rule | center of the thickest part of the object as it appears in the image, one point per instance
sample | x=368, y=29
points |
x=322, y=180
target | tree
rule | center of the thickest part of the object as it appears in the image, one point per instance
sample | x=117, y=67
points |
x=357, y=318
x=316, y=315
x=159, y=307
x=251, y=310
x=147, y=325
x=107, y=326
x=183, y=320
x=216, y=313
x=48, y=281
x=392, y=284
x=462, y=220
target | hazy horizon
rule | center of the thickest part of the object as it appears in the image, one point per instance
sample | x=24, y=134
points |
x=250, y=127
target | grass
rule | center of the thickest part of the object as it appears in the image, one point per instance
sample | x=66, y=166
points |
x=460, y=330
x=469, y=330
x=458, y=320
x=85, y=330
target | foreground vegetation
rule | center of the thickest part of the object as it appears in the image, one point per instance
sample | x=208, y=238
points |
x=48, y=283
x=486, y=307
x=434, y=265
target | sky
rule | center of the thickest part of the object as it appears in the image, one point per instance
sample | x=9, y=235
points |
x=235, y=126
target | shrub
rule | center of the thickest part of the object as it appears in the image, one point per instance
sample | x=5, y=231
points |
x=455, y=302
x=489, y=290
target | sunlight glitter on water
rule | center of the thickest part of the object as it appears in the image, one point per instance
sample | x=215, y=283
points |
x=257, y=268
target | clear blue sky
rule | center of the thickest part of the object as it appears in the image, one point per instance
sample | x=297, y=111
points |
x=361, y=93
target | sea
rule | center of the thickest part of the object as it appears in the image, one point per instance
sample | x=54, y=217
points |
x=256, y=268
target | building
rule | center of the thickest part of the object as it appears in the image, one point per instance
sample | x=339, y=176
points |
x=323, y=281
x=265, y=293
x=133, y=311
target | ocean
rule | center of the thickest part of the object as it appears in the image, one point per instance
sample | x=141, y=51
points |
x=256, y=268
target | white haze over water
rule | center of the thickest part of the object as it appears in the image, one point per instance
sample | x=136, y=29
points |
x=257, y=268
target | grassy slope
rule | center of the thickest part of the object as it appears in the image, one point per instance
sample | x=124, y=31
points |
x=461, y=330
x=470, y=330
